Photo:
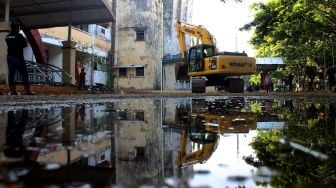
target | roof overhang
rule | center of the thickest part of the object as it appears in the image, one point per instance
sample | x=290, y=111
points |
x=36, y=14
x=269, y=63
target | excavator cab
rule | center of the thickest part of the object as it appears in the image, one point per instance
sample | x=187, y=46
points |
x=197, y=56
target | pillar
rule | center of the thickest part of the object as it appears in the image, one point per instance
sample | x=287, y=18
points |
x=4, y=30
x=69, y=62
x=3, y=126
x=68, y=123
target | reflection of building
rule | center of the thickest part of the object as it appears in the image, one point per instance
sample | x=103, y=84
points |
x=173, y=111
x=57, y=128
x=138, y=142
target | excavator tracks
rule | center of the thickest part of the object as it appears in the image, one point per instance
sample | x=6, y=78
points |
x=198, y=85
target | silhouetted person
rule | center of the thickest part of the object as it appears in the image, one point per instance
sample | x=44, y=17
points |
x=15, y=59
x=82, y=75
x=331, y=77
x=14, y=133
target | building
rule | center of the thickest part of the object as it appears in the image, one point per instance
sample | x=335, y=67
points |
x=145, y=32
x=35, y=15
x=92, y=49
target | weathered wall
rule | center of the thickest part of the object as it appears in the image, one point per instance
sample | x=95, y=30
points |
x=133, y=14
x=132, y=134
x=174, y=10
x=158, y=18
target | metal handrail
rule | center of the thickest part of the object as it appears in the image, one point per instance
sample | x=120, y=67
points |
x=44, y=74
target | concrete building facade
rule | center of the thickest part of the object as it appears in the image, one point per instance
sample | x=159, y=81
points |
x=145, y=32
x=92, y=43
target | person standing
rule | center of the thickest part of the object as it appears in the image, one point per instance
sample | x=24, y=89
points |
x=82, y=75
x=331, y=72
x=15, y=59
x=267, y=83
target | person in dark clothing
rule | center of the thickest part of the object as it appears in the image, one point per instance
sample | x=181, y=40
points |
x=331, y=77
x=15, y=59
x=82, y=75
x=16, y=125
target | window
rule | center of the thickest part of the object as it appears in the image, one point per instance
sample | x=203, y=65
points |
x=83, y=27
x=140, y=71
x=122, y=72
x=102, y=33
x=140, y=116
x=95, y=65
x=139, y=152
x=122, y=115
x=140, y=35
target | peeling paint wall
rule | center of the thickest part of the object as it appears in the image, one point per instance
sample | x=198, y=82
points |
x=157, y=18
x=130, y=16
x=174, y=10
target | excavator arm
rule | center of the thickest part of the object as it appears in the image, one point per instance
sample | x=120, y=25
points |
x=200, y=33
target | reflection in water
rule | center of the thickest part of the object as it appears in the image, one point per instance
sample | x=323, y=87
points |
x=14, y=134
x=204, y=121
x=200, y=142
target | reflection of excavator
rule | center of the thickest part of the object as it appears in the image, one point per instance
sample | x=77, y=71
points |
x=206, y=66
x=204, y=125
x=204, y=144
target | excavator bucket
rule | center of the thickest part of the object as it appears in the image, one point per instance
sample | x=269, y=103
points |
x=181, y=71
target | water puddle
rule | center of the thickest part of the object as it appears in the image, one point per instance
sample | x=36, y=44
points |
x=170, y=142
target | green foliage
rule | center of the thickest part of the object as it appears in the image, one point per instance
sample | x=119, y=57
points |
x=309, y=126
x=256, y=107
x=301, y=31
x=255, y=78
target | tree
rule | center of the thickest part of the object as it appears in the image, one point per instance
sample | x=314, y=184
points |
x=292, y=151
x=300, y=31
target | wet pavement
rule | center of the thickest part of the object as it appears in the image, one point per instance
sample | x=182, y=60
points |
x=181, y=141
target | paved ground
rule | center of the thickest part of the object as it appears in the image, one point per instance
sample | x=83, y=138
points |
x=55, y=99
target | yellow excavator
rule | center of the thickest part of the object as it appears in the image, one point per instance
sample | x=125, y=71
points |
x=206, y=66
x=203, y=129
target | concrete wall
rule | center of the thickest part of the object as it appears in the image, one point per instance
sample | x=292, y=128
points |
x=175, y=10
x=158, y=18
x=133, y=14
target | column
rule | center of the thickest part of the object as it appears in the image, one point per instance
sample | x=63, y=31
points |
x=3, y=126
x=68, y=123
x=69, y=62
x=4, y=30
